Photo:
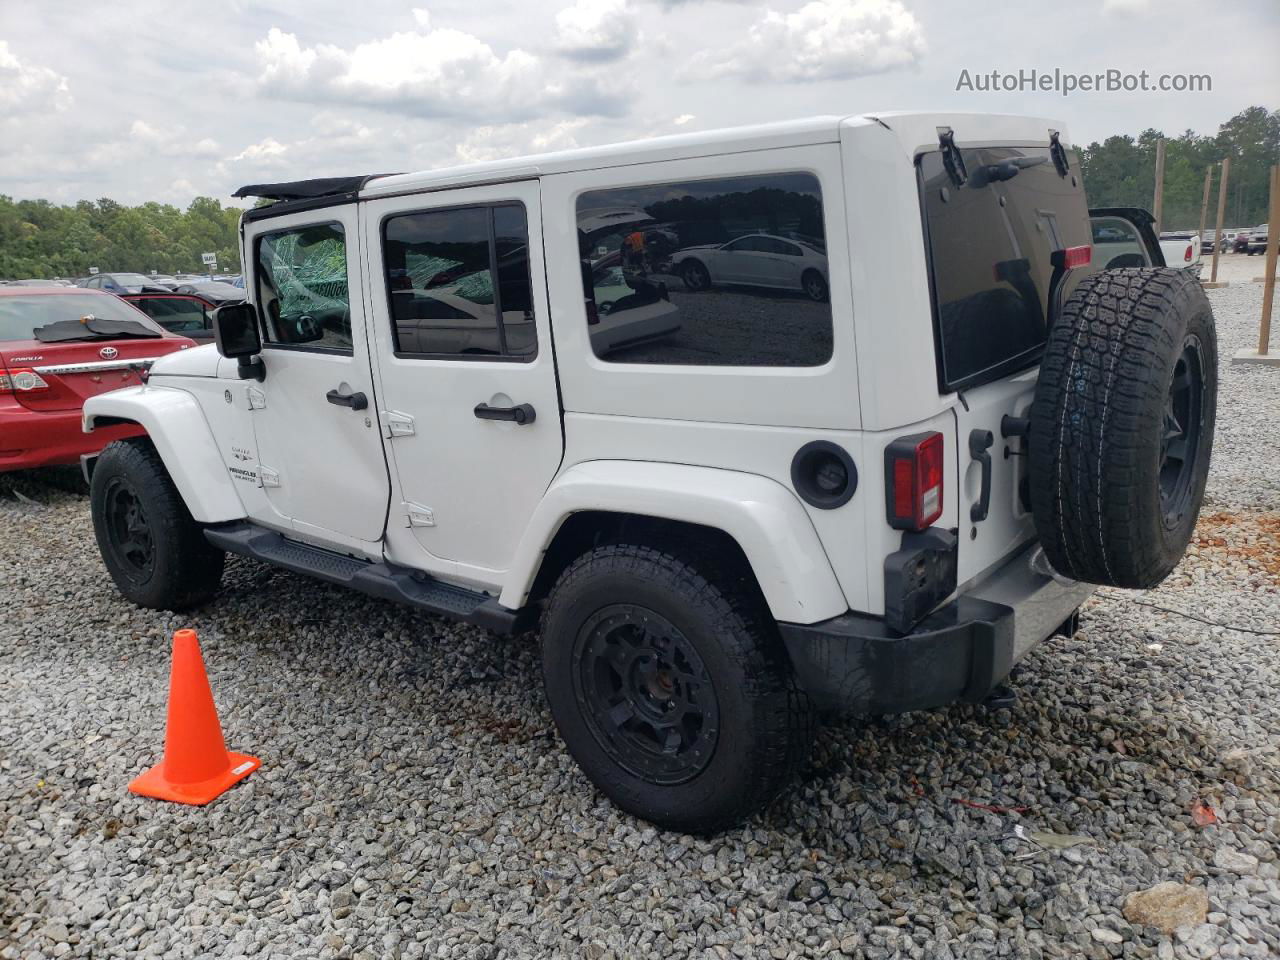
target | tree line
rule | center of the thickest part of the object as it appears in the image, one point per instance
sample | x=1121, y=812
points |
x=39, y=239
x=42, y=239
x=1120, y=171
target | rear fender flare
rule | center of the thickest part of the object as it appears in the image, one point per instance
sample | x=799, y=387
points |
x=765, y=519
x=177, y=426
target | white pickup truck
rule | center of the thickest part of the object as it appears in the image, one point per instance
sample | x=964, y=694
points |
x=1181, y=249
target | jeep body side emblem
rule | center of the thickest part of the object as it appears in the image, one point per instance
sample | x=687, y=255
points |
x=951, y=159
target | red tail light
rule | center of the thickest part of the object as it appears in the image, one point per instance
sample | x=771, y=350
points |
x=1077, y=256
x=21, y=380
x=913, y=481
x=1187, y=256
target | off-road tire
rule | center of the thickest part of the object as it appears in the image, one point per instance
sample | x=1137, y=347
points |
x=765, y=722
x=1099, y=431
x=185, y=569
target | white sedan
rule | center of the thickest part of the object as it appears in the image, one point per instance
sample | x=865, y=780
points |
x=755, y=260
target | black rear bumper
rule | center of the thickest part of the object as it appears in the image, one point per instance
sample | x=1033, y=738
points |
x=856, y=664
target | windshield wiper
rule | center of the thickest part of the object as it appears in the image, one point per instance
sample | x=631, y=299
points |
x=93, y=328
x=1004, y=170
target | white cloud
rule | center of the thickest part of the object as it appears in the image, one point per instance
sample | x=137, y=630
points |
x=427, y=72
x=513, y=140
x=267, y=152
x=172, y=141
x=27, y=88
x=597, y=30
x=823, y=40
x=684, y=118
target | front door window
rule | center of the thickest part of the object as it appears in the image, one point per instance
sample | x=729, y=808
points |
x=303, y=300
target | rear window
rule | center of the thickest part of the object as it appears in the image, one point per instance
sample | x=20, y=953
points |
x=19, y=316
x=178, y=314
x=718, y=272
x=989, y=244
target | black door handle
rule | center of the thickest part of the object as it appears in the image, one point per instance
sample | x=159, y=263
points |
x=979, y=443
x=356, y=401
x=521, y=413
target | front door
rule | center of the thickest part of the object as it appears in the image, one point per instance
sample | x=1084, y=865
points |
x=321, y=462
x=467, y=377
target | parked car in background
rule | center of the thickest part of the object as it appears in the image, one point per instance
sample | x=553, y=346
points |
x=122, y=283
x=1181, y=249
x=1124, y=237
x=58, y=347
x=1257, y=240
x=1208, y=240
x=756, y=260
x=181, y=313
x=163, y=280
x=213, y=291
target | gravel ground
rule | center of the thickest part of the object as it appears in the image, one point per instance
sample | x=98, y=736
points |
x=415, y=802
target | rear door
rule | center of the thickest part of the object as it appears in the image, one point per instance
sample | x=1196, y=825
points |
x=320, y=455
x=996, y=246
x=467, y=380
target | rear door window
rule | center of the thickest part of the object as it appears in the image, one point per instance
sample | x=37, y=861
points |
x=458, y=282
x=989, y=243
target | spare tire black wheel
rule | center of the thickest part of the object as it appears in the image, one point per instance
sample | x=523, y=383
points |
x=1122, y=426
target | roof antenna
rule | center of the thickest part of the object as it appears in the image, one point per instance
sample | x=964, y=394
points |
x=951, y=158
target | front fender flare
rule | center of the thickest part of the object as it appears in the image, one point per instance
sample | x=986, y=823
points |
x=177, y=426
x=763, y=517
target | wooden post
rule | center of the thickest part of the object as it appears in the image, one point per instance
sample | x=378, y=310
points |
x=1157, y=204
x=1222, y=210
x=1269, y=275
x=1204, y=205
x=1263, y=354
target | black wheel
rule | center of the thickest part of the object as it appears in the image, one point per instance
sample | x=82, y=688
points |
x=814, y=285
x=671, y=690
x=1122, y=426
x=155, y=552
x=695, y=275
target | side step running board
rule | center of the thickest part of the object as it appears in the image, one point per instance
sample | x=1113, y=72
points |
x=380, y=579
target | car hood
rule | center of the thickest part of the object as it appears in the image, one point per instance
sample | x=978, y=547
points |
x=195, y=362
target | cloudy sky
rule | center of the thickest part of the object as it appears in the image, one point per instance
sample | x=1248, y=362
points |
x=168, y=99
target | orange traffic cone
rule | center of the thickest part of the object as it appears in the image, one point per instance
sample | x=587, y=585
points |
x=197, y=765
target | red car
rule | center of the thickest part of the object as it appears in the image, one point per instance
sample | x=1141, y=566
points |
x=58, y=346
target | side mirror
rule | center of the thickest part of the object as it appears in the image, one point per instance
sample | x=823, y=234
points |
x=235, y=331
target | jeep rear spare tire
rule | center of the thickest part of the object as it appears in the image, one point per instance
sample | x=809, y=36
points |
x=1122, y=426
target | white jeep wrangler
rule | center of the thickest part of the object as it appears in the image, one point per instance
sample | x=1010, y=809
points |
x=837, y=415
